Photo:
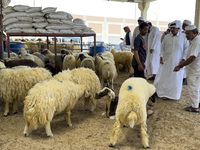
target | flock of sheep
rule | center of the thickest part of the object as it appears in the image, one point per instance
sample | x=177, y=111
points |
x=31, y=78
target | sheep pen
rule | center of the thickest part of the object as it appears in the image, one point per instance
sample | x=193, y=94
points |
x=169, y=128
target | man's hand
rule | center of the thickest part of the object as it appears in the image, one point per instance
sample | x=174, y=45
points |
x=182, y=61
x=132, y=50
x=140, y=67
x=177, y=68
x=161, y=61
x=151, y=51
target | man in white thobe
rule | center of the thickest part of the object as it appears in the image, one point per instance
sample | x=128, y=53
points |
x=173, y=51
x=153, y=51
x=185, y=24
x=126, y=44
x=192, y=68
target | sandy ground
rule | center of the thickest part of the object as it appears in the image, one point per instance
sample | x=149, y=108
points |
x=169, y=128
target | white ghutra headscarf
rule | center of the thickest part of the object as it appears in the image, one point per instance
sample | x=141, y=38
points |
x=176, y=24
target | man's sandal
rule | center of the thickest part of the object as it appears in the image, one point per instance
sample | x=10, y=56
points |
x=191, y=109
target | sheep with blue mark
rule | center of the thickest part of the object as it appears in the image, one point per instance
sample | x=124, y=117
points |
x=83, y=76
x=15, y=84
x=131, y=109
x=49, y=98
x=25, y=55
x=88, y=63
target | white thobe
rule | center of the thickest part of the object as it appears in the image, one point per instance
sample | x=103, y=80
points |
x=123, y=45
x=173, y=50
x=153, y=59
x=135, y=34
x=193, y=72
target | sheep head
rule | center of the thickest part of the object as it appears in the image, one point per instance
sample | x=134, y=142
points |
x=154, y=97
x=105, y=91
x=45, y=52
x=81, y=56
x=22, y=51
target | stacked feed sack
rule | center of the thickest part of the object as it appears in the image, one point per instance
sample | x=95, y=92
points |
x=5, y=3
x=81, y=28
x=26, y=19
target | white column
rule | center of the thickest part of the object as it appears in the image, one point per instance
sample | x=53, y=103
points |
x=144, y=7
x=105, y=29
x=197, y=13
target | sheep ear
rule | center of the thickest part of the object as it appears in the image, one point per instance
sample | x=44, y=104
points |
x=110, y=95
x=87, y=94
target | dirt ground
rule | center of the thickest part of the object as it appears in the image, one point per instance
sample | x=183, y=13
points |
x=169, y=128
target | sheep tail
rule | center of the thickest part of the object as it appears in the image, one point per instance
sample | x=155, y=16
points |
x=132, y=117
x=115, y=133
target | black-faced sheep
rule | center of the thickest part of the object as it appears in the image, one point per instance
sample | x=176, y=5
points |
x=49, y=98
x=111, y=101
x=131, y=109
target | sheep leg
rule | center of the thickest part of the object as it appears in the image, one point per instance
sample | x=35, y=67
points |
x=93, y=104
x=26, y=129
x=112, y=83
x=14, y=107
x=6, y=112
x=144, y=135
x=108, y=85
x=48, y=129
x=69, y=118
x=114, y=134
x=86, y=104
x=102, y=82
x=108, y=105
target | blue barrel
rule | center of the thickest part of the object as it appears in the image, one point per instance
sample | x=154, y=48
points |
x=99, y=49
x=15, y=46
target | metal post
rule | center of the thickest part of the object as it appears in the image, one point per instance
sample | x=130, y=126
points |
x=81, y=43
x=8, y=45
x=1, y=31
x=47, y=42
x=55, y=54
x=95, y=45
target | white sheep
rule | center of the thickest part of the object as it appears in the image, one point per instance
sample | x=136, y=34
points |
x=15, y=84
x=2, y=65
x=123, y=58
x=25, y=55
x=107, y=71
x=69, y=62
x=41, y=56
x=49, y=98
x=88, y=63
x=13, y=56
x=131, y=109
x=82, y=76
x=78, y=60
x=106, y=54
